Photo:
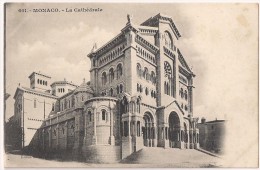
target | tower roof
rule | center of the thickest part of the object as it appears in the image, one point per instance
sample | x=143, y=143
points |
x=154, y=21
x=44, y=75
x=84, y=87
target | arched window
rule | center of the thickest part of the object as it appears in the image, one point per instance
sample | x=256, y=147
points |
x=38, y=81
x=111, y=75
x=186, y=108
x=111, y=92
x=167, y=70
x=145, y=73
x=138, y=70
x=103, y=114
x=146, y=91
x=89, y=116
x=185, y=95
x=153, y=77
x=104, y=78
x=52, y=107
x=119, y=71
x=181, y=92
x=121, y=88
x=168, y=40
x=138, y=87
x=117, y=89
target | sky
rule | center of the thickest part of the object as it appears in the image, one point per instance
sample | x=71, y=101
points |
x=219, y=41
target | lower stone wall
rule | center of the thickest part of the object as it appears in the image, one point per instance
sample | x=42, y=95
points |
x=102, y=153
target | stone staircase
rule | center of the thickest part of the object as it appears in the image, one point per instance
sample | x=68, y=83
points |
x=171, y=156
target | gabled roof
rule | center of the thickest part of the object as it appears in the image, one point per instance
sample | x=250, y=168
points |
x=154, y=21
x=33, y=91
x=174, y=102
x=184, y=63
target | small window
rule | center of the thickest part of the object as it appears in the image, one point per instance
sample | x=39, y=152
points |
x=89, y=116
x=52, y=107
x=117, y=89
x=35, y=104
x=121, y=88
x=119, y=71
x=63, y=131
x=111, y=92
x=138, y=70
x=146, y=91
x=103, y=115
x=185, y=95
x=104, y=78
x=111, y=75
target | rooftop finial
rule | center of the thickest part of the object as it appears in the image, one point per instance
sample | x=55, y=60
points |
x=129, y=18
x=84, y=80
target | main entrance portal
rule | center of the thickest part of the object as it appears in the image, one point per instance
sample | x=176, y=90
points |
x=148, y=130
x=174, y=130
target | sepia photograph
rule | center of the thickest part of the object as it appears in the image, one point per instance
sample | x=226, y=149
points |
x=130, y=85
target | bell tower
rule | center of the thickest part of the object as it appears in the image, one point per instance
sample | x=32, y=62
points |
x=39, y=81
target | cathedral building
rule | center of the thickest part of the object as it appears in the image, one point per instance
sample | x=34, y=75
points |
x=140, y=94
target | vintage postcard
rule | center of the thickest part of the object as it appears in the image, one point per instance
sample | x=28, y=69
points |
x=145, y=85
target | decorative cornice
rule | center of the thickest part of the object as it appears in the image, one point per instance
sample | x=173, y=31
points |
x=184, y=64
x=108, y=46
x=153, y=49
x=148, y=30
x=168, y=52
x=44, y=75
x=32, y=91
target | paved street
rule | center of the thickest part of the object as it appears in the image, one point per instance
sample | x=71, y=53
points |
x=148, y=157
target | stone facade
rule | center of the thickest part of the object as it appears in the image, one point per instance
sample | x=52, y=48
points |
x=139, y=95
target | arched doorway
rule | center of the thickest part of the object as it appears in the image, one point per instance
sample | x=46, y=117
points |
x=148, y=129
x=174, y=130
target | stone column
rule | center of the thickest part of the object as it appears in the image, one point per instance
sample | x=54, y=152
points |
x=94, y=139
x=57, y=136
x=191, y=140
x=112, y=137
x=188, y=139
x=50, y=133
x=66, y=134
x=190, y=100
x=43, y=138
